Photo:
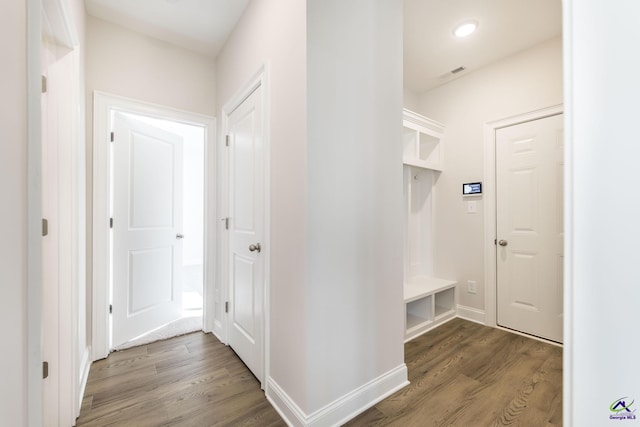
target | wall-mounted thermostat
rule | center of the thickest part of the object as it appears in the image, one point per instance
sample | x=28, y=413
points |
x=472, y=189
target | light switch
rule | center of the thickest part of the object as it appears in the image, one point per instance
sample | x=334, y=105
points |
x=472, y=207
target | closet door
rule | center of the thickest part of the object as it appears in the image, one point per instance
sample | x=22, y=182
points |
x=529, y=197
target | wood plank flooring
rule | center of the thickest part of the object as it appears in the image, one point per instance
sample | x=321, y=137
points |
x=465, y=374
x=192, y=380
x=462, y=374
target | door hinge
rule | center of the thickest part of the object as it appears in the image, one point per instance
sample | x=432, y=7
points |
x=226, y=223
x=112, y=136
x=227, y=139
x=110, y=308
x=110, y=222
x=44, y=84
x=226, y=306
x=45, y=370
x=45, y=227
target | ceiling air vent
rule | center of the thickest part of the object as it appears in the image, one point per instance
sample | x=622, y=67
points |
x=457, y=70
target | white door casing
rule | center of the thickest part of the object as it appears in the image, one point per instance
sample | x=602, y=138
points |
x=104, y=107
x=246, y=261
x=62, y=183
x=147, y=228
x=529, y=209
x=50, y=258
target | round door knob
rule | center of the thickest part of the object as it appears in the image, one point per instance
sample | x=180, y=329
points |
x=255, y=247
x=503, y=243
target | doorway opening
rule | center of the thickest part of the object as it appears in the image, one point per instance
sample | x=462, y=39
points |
x=151, y=140
x=188, y=270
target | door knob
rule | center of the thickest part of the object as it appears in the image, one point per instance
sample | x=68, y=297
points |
x=179, y=236
x=503, y=243
x=255, y=247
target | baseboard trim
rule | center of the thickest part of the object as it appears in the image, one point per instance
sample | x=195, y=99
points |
x=217, y=331
x=353, y=403
x=284, y=405
x=340, y=410
x=85, y=366
x=472, y=314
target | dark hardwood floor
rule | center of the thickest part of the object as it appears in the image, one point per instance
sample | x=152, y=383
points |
x=465, y=374
x=462, y=374
x=192, y=380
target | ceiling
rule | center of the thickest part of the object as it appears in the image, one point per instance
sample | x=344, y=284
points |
x=430, y=49
x=199, y=25
x=505, y=27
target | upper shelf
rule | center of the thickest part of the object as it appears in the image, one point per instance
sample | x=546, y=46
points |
x=422, y=141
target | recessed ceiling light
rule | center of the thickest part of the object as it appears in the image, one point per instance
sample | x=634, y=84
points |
x=466, y=28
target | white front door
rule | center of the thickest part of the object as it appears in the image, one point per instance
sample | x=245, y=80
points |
x=529, y=199
x=147, y=227
x=246, y=232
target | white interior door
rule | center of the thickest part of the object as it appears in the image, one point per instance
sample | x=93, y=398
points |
x=147, y=227
x=529, y=199
x=246, y=210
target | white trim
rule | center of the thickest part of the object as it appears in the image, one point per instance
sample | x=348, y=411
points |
x=359, y=400
x=57, y=25
x=471, y=314
x=284, y=405
x=533, y=337
x=85, y=366
x=103, y=104
x=489, y=189
x=100, y=234
x=421, y=121
x=58, y=34
x=342, y=409
x=220, y=325
x=259, y=79
x=266, y=126
x=33, y=303
x=568, y=375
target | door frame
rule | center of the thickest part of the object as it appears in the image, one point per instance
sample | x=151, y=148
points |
x=58, y=46
x=490, y=214
x=259, y=79
x=103, y=103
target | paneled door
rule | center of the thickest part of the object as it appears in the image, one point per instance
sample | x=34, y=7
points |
x=246, y=232
x=147, y=227
x=529, y=244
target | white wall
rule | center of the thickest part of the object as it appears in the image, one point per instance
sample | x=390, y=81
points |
x=122, y=62
x=13, y=212
x=519, y=84
x=602, y=231
x=411, y=100
x=355, y=312
x=273, y=33
x=336, y=191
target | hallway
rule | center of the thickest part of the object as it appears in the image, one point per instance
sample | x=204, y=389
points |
x=461, y=374
x=191, y=380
